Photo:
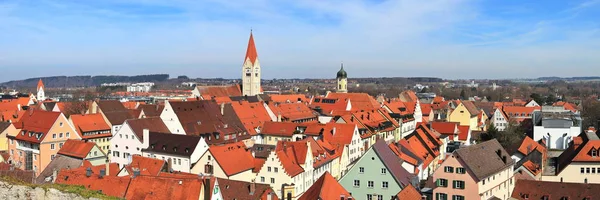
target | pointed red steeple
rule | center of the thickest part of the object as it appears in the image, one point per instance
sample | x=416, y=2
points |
x=251, y=51
x=40, y=84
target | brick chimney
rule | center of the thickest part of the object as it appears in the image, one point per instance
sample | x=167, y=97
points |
x=222, y=109
x=107, y=166
x=252, y=187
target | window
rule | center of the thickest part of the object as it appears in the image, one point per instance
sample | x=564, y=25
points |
x=587, y=170
x=369, y=196
x=458, y=197
x=582, y=170
x=52, y=157
x=370, y=184
x=545, y=197
x=383, y=171
x=34, y=157
x=458, y=184
x=60, y=124
x=361, y=170
x=356, y=183
x=379, y=197
x=273, y=180
x=384, y=185
x=179, y=160
x=275, y=169
x=448, y=169
x=442, y=182
x=441, y=196
x=60, y=135
x=68, y=134
x=269, y=169
x=262, y=179
x=52, y=147
x=60, y=145
x=208, y=157
x=460, y=170
x=54, y=136
x=564, y=198
x=593, y=170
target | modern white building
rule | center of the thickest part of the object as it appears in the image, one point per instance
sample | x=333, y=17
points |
x=140, y=87
x=556, y=125
x=500, y=120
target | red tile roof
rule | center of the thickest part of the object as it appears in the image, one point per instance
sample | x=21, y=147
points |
x=330, y=106
x=426, y=109
x=293, y=111
x=285, y=129
x=446, y=128
x=37, y=122
x=463, y=133
x=518, y=111
x=567, y=106
x=555, y=190
x=288, y=98
x=208, y=92
x=146, y=166
x=251, y=53
x=151, y=187
x=359, y=101
x=40, y=84
x=109, y=185
x=223, y=154
x=76, y=148
x=408, y=96
x=409, y=192
x=252, y=115
x=528, y=145
x=325, y=188
x=153, y=124
x=89, y=122
x=293, y=154
x=398, y=148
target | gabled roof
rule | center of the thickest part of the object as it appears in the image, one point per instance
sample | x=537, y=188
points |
x=252, y=115
x=205, y=117
x=146, y=166
x=288, y=98
x=153, y=124
x=285, y=129
x=108, y=106
x=555, y=190
x=513, y=110
x=76, y=148
x=4, y=126
x=89, y=123
x=292, y=111
x=473, y=110
x=426, y=109
x=393, y=164
x=402, y=150
x=38, y=123
x=325, y=188
x=210, y=91
x=232, y=189
x=409, y=192
x=408, y=96
x=58, y=163
x=152, y=187
x=223, y=154
x=359, y=101
x=109, y=185
x=446, y=128
x=463, y=133
x=174, y=144
x=484, y=159
x=251, y=53
x=151, y=110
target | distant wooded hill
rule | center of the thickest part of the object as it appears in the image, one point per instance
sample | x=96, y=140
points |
x=83, y=81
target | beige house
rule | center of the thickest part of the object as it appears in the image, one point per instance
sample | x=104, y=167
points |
x=230, y=161
x=480, y=171
x=580, y=163
x=466, y=113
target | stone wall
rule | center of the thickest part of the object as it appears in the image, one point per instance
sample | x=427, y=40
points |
x=20, y=192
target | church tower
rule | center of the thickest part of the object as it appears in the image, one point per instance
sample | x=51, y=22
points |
x=342, y=80
x=41, y=96
x=251, y=71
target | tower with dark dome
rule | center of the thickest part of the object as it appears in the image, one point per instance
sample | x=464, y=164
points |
x=342, y=80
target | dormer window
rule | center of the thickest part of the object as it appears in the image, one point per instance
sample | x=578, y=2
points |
x=175, y=149
x=594, y=152
x=546, y=197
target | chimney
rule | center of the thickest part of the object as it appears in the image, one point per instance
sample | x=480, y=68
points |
x=54, y=175
x=146, y=139
x=222, y=108
x=252, y=187
x=279, y=116
x=170, y=165
x=107, y=167
x=270, y=196
x=88, y=172
x=334, y=130
x=18, y=107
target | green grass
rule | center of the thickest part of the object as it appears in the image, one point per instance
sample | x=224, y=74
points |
x=79, y=190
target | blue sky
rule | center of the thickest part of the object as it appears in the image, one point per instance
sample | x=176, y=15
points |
x=301, y=38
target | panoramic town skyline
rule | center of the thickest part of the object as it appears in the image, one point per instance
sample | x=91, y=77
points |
x=296, y=39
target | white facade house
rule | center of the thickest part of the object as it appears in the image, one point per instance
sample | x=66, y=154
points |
x=169, y=117
x=532, y=103
x=556, y=126
x=500, y=120
x=140, y=87
x=180, y=151
x=131, y=138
